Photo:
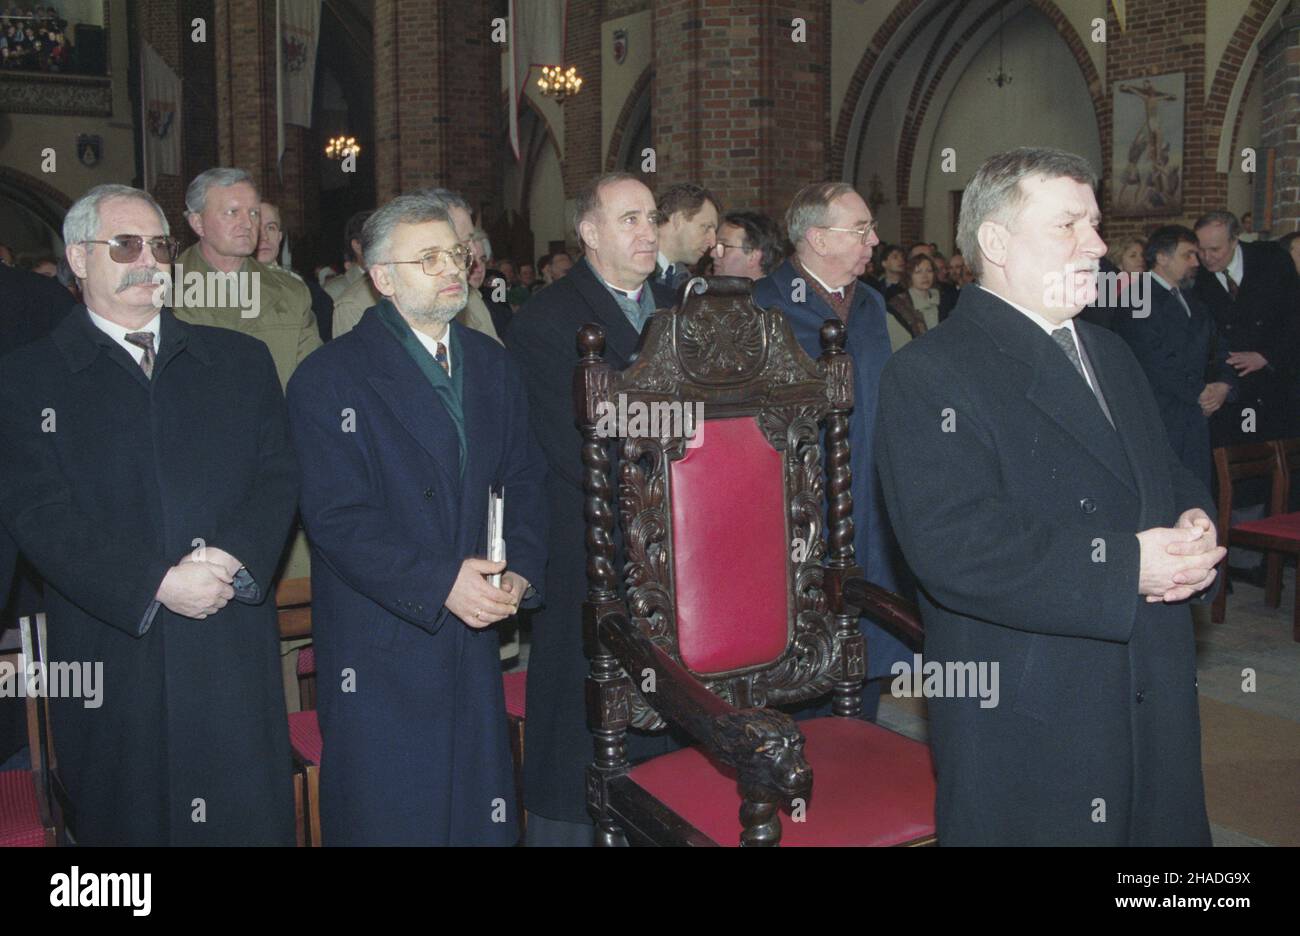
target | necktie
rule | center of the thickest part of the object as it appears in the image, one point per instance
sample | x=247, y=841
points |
x=440, y=355
x=1182, y=301
x=143, y=340
x=1232, y=285
x=1064, y=338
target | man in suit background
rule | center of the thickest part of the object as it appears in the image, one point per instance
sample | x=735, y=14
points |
x=1253, y=293
x=833, y=234
x=149, y=480
x=407, y=421
x=617, y=223
x=1054, y=533
x=688, y=229
x=1174, y=341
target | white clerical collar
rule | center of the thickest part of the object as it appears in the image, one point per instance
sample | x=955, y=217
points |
x=1034, y=317
x=633, y=294
x=118, y=333
x=835, y=290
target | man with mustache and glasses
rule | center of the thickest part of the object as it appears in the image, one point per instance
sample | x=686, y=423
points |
x=407, y=421
x=223, y=208
x=1054, y=533
x=149, y=480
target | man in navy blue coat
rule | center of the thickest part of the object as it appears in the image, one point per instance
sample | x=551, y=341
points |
x=1173, y=338
x=402, y=426
x=833, y=235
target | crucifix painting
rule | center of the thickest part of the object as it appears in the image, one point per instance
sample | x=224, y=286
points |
x=1148, y=154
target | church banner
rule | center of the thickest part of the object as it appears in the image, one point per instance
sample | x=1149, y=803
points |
x=536, y=39
x=162, y=117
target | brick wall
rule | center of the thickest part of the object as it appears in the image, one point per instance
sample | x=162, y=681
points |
x=738, y=105
x=1163, y=37
x=1280, y=64
x=437, y=100
x=582, y=136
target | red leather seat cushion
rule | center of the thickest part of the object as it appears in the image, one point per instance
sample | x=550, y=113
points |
x=1286, y=526
x=730, y=553
x=20, y=815
x=304, y=735
x=870, y=787
x=516, y=691
x=307, y=660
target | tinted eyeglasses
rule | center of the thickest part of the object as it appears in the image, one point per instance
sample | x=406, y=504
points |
x=125, y=248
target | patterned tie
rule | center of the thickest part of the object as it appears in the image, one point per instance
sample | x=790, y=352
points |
x=440, y=355
x=143, y=340
x=1232, y=285
x=1064, y=338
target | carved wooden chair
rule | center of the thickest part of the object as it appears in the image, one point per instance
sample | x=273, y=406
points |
x=729, y=601
x=28, y=814
x=293, y=608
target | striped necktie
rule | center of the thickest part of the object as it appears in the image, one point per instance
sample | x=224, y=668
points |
x=143, y=340
x=440, y=355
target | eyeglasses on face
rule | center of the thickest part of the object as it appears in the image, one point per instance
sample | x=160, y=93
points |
x=125, y=248
x=435, y=261
x=721, y=247
x=864, y=234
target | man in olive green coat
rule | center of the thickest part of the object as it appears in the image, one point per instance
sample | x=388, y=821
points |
x=223, y=209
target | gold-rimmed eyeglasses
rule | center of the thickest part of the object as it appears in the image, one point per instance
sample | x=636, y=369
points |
x=864, y=234
x=435, y=261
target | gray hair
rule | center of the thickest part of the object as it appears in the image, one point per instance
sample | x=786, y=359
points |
x=995, y=193
x=81, y=223
x=449, y=199
x=809, y=207
x=404, y=209
x=1226, y=218
x=481, y=237
x=196, y=196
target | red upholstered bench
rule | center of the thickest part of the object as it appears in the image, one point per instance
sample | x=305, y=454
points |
x=20, y=812
x=854, y=801
x=305, y=740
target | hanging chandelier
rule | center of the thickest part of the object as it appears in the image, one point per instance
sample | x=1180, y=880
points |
x=559, y=82
x=341, y=147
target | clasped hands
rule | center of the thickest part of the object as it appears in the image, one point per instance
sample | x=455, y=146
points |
x=479, y=603
x=200, y=584
x=1177, y=562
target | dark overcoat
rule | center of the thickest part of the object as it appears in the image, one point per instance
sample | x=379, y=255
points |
x=1174, y=349
x=1017, y=506
x=868, y=347
x=1265, y=317
x=108, y=480
x=412, y=709
x=543, y=339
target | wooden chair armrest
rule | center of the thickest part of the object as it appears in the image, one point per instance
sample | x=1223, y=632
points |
x=893, y=611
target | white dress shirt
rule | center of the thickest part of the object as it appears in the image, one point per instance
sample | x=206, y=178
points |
x=1236, y=269
x=838, y=291
x=1161, y=280
x=431, y=345
x=118, y=334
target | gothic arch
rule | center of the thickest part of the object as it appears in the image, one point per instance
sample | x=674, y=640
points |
x=634, y=109
x=44, y=201
x=1232, y=78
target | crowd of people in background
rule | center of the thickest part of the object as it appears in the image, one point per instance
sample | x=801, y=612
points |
x=34, y=39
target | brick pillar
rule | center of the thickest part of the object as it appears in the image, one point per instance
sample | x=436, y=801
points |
x=739, y=106
x=437, y=100
x=160, y=26
x=1163, y=37
x=582, y=116
x=246, y=113
x=1280, y=62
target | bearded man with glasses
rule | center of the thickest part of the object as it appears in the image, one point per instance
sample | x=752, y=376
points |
x=403, y=426
x=148, y=478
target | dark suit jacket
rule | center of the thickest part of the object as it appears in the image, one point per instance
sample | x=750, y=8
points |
x=1263, y=318
x=418, y=752
x=136, y=474
x=1175, y=351
x=1017, y=506
x=543, y=339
